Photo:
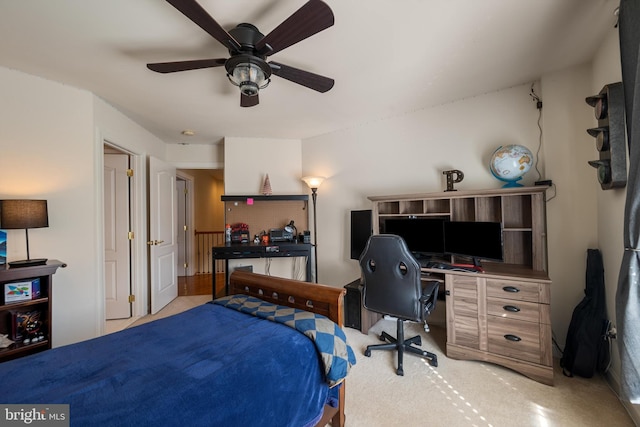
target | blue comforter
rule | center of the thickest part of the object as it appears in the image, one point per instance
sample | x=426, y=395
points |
x=209, y=366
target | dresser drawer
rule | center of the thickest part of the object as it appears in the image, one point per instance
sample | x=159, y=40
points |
x=514, y=338
x=521, y=291
x=517, y=310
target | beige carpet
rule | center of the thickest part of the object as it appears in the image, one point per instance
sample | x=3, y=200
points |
x=456, y=393
x=466, y=393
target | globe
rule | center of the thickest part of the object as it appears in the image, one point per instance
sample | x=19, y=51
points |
x=510, y=163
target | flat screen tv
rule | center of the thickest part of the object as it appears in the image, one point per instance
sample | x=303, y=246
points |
x=361, y=230
x=475, y=240
x=424, y=236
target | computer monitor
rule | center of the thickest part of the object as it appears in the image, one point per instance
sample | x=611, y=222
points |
x=476, y=240
x=424, y=236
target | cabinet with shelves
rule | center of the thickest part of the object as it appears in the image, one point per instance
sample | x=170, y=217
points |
x=40, y=305
x=520, y=210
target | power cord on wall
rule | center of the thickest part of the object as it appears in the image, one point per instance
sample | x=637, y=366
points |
x=538, y=102
x=549, y=183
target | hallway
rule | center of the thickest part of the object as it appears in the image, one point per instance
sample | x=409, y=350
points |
x=199, y=284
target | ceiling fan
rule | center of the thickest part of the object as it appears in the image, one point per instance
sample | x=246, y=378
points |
x=248, y=48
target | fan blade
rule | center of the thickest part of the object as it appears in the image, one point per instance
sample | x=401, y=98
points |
x=172, y=67
x=192, y=10
x=304, y=78
x=249, y=101
x=310, y=19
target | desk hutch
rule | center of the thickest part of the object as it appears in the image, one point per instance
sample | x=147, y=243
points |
x=262, y=213
x=502, y=315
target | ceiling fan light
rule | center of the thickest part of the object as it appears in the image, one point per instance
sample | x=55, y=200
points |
x=250, y=78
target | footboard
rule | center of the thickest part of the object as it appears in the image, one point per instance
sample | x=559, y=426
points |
x=317, y=298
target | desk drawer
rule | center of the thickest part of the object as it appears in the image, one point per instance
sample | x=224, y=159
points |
x=510, y=309
x=514, y=338
x=513, y=290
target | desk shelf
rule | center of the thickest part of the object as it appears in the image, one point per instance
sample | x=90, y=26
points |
x=520, y=210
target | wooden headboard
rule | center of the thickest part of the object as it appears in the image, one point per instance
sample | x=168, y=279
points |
x=317, y=298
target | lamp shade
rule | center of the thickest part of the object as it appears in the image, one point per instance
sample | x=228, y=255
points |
x=250, y=78
x=23, y=214
x=313, y=181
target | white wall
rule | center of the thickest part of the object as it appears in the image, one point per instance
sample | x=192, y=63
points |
x=572, y=213
x=196, y=156
x=46, y=141
x=247, y=162
x=51, y=144
x=407, y=154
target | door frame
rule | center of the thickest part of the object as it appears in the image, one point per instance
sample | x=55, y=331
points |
x=138, y=207
x=122, y=192
x=189, y=219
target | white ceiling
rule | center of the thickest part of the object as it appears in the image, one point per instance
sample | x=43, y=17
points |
x=387, y=57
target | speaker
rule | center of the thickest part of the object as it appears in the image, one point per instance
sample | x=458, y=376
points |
x=353, y=305
x=361, y=230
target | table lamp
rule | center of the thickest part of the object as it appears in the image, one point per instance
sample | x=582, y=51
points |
x=18, y=214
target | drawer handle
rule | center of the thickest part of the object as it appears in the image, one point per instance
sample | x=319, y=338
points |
x=511, y=289
x=511, y=308
x=514, y=338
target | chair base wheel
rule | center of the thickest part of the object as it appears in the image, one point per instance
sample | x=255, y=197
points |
x=367, y=353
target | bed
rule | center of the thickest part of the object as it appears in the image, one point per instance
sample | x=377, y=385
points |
x=223, y=363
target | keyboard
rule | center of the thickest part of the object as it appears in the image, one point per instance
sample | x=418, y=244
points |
x=447, y=266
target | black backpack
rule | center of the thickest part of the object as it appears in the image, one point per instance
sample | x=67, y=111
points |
x=586, y=349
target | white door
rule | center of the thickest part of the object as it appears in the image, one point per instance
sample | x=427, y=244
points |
x=163, y=242
x=117, y=264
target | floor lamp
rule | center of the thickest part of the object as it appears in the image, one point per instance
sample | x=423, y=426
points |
x=314, y=182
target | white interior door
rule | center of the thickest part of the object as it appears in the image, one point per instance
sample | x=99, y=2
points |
x=163, y=241
x=117, y=260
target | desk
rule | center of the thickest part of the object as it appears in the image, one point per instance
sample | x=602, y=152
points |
x=258, y=250
x=500, y=316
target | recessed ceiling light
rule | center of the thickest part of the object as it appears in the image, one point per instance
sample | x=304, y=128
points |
x=188, y=132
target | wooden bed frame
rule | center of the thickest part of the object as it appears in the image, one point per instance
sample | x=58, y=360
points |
x=321, y=299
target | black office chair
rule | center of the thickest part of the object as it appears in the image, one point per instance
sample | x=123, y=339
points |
x=392, y=286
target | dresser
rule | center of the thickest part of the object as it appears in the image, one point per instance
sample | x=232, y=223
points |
x=502, y=317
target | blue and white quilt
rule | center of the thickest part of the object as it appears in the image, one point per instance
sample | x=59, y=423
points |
x=329, y=339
